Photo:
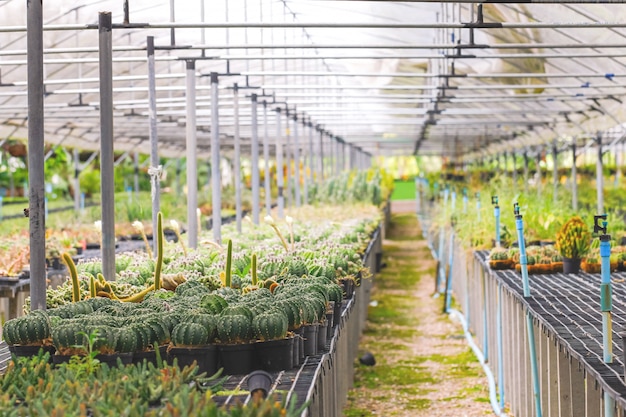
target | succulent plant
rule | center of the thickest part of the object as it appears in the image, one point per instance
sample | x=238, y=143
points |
x=234, y=328
x=499, y=254
x=208, y=321
x=213, y=303
x=127, y=340
x=189, y=334
x=270, y=326
x=238, y=309
x=291, y=309
x=32, y=329
x=574, y=238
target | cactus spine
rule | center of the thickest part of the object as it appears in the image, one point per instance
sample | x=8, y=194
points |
x=234, y=329
x=33, y=329
x=73, y=275
x=270, y=326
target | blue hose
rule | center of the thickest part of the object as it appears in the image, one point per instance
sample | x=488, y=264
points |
x=493, y=398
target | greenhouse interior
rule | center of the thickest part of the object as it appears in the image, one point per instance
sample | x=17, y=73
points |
x=322, y=208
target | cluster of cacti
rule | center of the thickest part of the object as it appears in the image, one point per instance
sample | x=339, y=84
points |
x=574, y=238
x=499, y=254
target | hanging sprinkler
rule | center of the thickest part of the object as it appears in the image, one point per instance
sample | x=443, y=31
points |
x=465, y=199
x=496, y=213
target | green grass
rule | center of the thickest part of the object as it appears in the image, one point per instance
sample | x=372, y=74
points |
x=403, y=190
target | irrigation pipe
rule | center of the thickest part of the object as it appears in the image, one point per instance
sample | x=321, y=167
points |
x=493, y=399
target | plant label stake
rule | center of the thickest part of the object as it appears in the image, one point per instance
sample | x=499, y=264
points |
x=519, y=225
x=496, y=213
x=606, y=300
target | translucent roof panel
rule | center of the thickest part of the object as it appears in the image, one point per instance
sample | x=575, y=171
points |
x=390, y=77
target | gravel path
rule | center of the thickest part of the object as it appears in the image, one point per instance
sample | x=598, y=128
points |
x=423, y=365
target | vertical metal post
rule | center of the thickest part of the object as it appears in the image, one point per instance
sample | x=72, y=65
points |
x=266, y=157
x=514, y=158
x=237, y=159
x=600, y=175
x=215, y=161
x=296, y=160
x=555, y=173
x=526, y=171
x=305, y=164
x=76, y=181
x=499, y=342
x=255, y=161
x=155, y=167
x=107, y=173
x=37, y=222
x=172, y=19
x=136, y=174
x=288, y=185
x=574, y=179
x=321, y=155
x=312, y=167
x=191, y=146
x=280, y=181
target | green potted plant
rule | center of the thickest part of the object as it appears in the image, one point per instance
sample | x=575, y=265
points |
x=191, y=342
x=572, y=242
x=27, y=335
x=499, y=259
x=274, y=346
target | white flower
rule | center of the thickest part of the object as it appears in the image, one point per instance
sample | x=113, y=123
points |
x=269, y=220
x=138, y=226
x=289, y=220
x=98, y=225
x=174, y=225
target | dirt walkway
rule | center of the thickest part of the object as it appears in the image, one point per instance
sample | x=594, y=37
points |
x=423, y=365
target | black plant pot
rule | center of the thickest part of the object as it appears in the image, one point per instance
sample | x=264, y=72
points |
x=337, y=313
x=295, y=352
x=275, y=355
x=59, y=359
x=237, y=359
x=20, y=351
x=348, y=287
x=322, y=336
x=571, y=265
x=259, y=382
x=300, y=341
x=310, y=339
x=204, y=356
x=150, y=356
x=111, y=360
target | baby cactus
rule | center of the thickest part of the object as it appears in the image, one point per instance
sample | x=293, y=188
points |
x=189, y=334
x=499, y=254
x=33, y=329
x=270, y=326
x=234, y=329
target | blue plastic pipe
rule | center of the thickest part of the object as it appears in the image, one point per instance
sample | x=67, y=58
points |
x=499, y=342
x=464, y=203
x=519, y=225
x=496, y=213
x=606, y=303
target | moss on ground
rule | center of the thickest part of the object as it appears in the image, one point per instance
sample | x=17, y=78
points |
x=401, y=380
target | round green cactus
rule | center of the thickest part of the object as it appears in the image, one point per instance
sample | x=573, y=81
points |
x=291, y=309
x=499, y=254
x=33, y=329
x=238, y=309
x=159, y=330
x=270, y=326
x=335, y=292
x=234, y=328
x=208, y=321
x=189, y=334
x=127, y=340
x=213, y=303
x=66, y=337
x=188, y=287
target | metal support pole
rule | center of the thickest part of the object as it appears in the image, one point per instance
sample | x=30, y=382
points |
x=600, y=176
x=514, y=158
x=526, y=171
x=288, y=185
x=76, y=181
x=499, y=347
x=107, y=173
x=255, y=161
x=136, y=174
x=266, y=157
x=312, y=167
x=191, y=148
x=155, y=166
x=574, y=179
x=237, y=159
x=215, y=160
x=555, y=173
x=36, y=180
x=280, y=181
x=296, y=160
x=320, y=178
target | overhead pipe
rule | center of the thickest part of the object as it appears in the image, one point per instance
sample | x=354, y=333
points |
x=155, y=169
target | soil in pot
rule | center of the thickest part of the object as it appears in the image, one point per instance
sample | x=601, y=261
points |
x=204, y=356
x=571, y=265
x=237, y=359
x=274, y=355
x=500, y=265
x=310, y=339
